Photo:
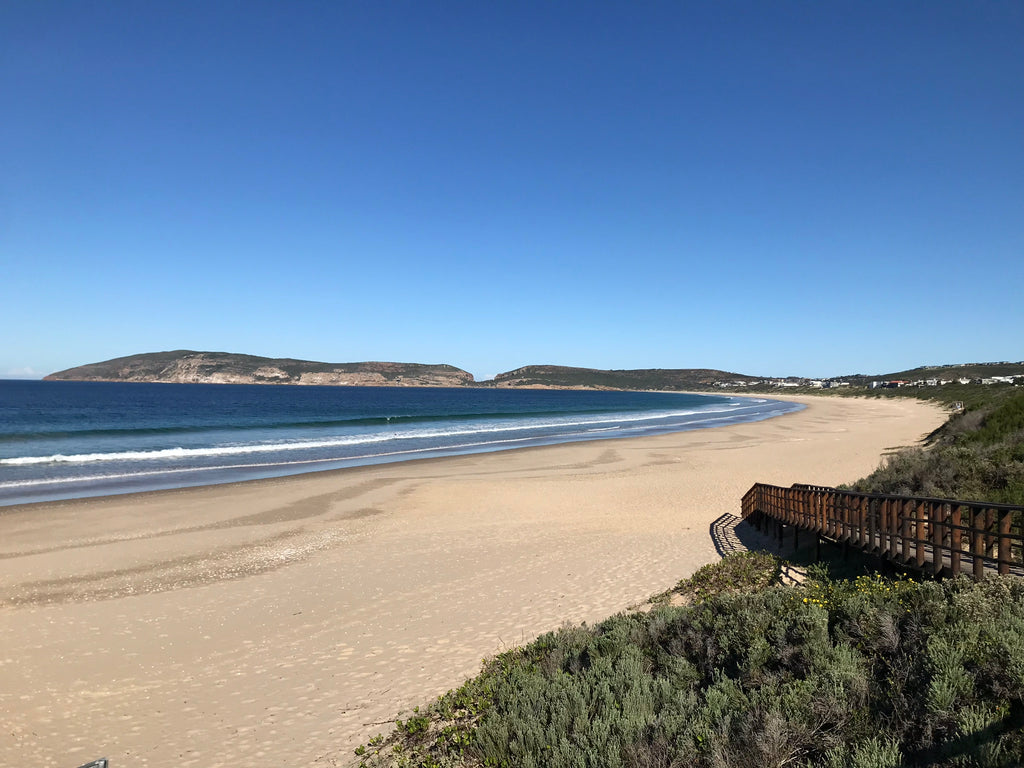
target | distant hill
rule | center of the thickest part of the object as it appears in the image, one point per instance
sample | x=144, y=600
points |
x=185, y=366
x=188, y=366
x=557, y=376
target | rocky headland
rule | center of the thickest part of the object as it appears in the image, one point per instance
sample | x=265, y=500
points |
x=190, y=367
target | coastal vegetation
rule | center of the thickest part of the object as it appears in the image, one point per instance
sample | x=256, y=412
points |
x=977, y=455
x=731, y=668
x=865, y=672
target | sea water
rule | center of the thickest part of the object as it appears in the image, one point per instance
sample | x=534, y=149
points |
x=61, y=440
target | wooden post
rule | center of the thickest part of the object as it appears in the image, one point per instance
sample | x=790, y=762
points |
x=862, y=522
x=956, y=541
x=883, y=527
x=904, y=519
x=990, y=539
x=1005, y=519
x=978, y=542
x=894, y=530
x=855, y=527
x=848, y=518
x=938, y=515
x=1018, y=524
x=919, y=533
x=857, y=517
x=872, y=507
x=783, y=500
x=846, y=529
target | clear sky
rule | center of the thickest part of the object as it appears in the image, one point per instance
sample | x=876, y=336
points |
x=772, y=188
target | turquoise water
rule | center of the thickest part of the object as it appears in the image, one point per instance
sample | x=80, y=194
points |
x=61, y=440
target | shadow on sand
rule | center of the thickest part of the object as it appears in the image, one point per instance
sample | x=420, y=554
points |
x=731, y=534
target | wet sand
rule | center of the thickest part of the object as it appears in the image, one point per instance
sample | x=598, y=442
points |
x=283, y=622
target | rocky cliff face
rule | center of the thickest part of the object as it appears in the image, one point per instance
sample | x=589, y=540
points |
x=189, y=367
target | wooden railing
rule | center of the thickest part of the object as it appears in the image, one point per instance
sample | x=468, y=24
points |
x=942, y=536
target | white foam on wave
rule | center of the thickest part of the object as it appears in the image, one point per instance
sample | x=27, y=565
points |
x=296, y=465
x=180, y=453
x=263, y=465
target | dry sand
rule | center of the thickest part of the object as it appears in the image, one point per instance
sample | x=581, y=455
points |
x=283, y=622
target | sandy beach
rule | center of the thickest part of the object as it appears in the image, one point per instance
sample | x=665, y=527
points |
x=283, y=622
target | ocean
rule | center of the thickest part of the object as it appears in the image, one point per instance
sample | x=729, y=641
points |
x=63, y=440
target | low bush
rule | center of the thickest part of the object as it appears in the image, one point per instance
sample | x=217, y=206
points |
x=741, y=572
x=867, y=672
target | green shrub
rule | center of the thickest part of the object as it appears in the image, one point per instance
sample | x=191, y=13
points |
x=868, y=672
x=739, y=572
x=976, y=456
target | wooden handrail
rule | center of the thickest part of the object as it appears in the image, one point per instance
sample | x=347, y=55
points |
x=937, y=535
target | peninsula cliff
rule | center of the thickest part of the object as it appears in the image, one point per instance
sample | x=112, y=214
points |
x=189, y=367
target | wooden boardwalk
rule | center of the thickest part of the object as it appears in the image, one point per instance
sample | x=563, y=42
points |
x=943, y=537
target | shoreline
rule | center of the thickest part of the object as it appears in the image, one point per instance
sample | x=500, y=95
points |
x=104, y=482
x=286, y=620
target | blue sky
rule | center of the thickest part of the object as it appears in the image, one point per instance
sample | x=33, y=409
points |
x=784, y=188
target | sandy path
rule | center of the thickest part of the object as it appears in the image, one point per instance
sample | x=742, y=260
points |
x=282, y=622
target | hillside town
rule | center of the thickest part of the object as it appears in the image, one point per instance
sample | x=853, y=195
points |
x=896, y=383
x=795, y=382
